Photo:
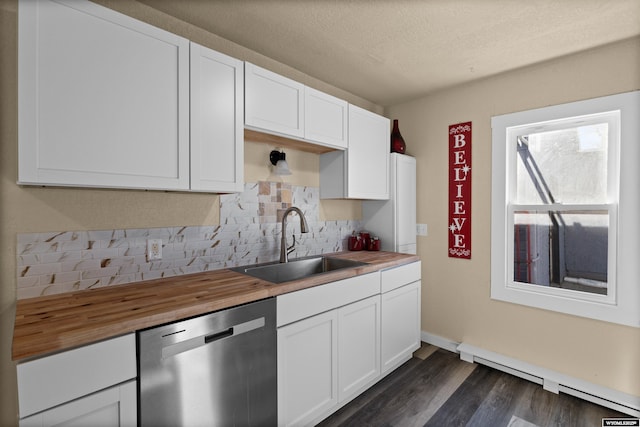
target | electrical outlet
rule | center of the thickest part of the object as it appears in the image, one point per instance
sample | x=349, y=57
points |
x=421, y=229
x=154, y=249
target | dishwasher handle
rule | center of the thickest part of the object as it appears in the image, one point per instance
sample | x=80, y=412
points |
x=190, y=344
x=218, y=336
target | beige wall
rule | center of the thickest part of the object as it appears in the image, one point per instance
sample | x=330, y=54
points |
x=305, y=168
x=456, y=293
x=27, y=209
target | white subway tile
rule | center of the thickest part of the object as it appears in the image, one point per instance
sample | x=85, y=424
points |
x=87, y=264
x=99, y=273
x=39, y=269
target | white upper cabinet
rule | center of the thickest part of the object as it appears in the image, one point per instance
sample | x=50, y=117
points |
x=325, y=119
x=278, y=105
x=272, y=102
x=361, y=172
x=217, y=131
x=103, y=99
x=368, y=157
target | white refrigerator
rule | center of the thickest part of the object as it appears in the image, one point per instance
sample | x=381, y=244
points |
x=394, y=220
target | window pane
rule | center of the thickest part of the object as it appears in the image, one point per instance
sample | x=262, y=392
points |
x=563, y=166
x=562, y=249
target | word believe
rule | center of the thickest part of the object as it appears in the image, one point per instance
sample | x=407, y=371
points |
x=460, y=190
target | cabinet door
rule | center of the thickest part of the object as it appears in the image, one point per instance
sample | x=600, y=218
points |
x=273, y=102
x=104, y=99
x=325, y=118
x=358, y=347
x=400, y=325
x=368, y=155
x=361, y=171
x=115, y=406
x=217, y=135
x=307, y=369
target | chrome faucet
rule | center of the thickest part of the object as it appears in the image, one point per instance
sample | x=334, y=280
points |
x=304, y=228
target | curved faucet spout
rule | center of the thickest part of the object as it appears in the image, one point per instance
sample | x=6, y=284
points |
x=304, y=228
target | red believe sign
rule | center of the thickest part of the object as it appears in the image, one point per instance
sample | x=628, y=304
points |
x=460, y=190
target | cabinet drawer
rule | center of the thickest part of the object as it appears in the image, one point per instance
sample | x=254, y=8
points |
x=399, y=276
x=53, y=380
x=307, y=302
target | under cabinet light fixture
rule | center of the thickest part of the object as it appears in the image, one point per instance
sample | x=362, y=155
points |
x=279, y=160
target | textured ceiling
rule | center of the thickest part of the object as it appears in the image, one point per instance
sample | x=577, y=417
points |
x=392, y=51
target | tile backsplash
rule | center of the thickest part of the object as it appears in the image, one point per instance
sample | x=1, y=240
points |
x=249, y=232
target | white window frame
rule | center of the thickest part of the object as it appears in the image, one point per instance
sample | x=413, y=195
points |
x=513, y=132
x=622, y=302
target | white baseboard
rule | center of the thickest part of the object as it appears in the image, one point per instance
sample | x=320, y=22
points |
x=439, y=341
x=552, y=381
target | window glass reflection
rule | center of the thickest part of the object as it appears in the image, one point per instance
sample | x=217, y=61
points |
x=562, y=249
x=563, y=166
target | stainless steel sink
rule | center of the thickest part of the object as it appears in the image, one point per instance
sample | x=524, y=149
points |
x=297, y=269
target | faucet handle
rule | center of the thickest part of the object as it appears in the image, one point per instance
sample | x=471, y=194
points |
x=292, y=247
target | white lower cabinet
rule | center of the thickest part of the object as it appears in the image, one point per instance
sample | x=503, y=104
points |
x=337, y=340
x=326, y=360
x=358, y=347
x=307, y=369
x=400, y=325
x=92, y=385
x=114, y=407
x=401, y=299
x=328, y=337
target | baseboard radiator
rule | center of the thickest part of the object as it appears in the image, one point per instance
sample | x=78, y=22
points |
x=552, y=381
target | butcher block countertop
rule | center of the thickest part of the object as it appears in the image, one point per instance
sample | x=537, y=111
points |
x=60, y=322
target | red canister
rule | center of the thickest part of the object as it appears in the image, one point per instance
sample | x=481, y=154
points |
x=374, y=244
x=366, y=238
x=355, y=242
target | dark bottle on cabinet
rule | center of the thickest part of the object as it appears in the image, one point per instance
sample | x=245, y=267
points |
x=397, y=141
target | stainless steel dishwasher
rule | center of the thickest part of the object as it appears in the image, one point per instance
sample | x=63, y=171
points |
x=218, y=369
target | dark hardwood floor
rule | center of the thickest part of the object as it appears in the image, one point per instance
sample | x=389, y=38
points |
x=436, y=388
